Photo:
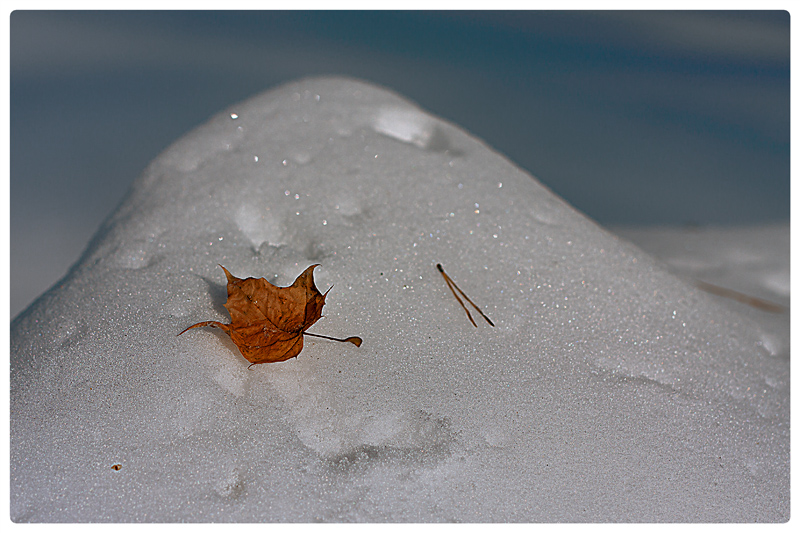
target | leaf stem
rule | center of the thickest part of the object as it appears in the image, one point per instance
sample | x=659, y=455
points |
x=355, y=340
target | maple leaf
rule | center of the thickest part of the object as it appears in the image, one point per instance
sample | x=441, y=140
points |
x=268, y=322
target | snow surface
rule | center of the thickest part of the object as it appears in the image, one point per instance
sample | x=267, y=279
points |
x=610, y=390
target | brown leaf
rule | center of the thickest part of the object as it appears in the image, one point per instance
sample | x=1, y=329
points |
x=268, y=322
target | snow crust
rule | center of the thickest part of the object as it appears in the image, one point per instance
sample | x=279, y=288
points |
x=609, y=390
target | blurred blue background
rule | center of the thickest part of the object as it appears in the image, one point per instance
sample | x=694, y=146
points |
x=635, y=118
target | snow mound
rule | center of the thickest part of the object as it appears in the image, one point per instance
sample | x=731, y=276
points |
x=609, y=389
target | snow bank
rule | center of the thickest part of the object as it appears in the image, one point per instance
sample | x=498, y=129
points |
x=609, y=389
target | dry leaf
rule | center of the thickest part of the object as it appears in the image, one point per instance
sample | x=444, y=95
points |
x=268, y=322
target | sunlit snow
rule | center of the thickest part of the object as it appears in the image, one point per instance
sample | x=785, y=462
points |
x=611, y=388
